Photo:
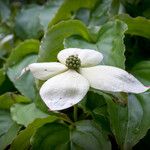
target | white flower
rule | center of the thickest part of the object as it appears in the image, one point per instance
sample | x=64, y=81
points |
x=69, y=81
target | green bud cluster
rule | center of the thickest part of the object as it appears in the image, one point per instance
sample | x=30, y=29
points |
x=73, y=62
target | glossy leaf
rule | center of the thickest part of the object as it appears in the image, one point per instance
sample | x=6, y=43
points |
x=101, y=13
x=5, y=121
x=25, y=114
x=109, y=43
x=8, y=99
x=49, y=11
x=51, y=136
x=27, y=22
x=52, y=42
x=142, y=72
x=136, y=26
x=7, y=138
x=138, y=124
x=87, y=135
x=22, y=50
x=23, y=139
x=118, y=116
x=22, y=55
x=24, y=84
x=69, y=7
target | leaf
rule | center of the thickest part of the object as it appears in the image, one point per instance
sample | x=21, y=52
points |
x=69, y=7
x=2, y=76
x=49, y=11
x=5, y=122
x=142, y=72
x=4, y=11
x=25, y=114
x=104, y=10
x=8, y=99
x=27, y=23
x=138, y=122
x=52, y=42
x=118, y=116
x=24, y=84
x=130, y=124
x=38, y=17
x=22, y=141
x=100, y=15
x=22, y=55
x=51, y=136
x=7, y=138
x=22, y=50
x=136, y=26
x=86, y=135
x=97, y=107
x=109, y=43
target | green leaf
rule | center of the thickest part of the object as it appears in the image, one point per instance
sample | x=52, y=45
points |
x=95, y=105
x=129, y=124
x=2, y=76
x=104, y=10
x=100, y=14
x=69, y=7
x=8, y=99
x=52, y=42
x=49, y=11
x=109, y=43
x=27, y=23
x=22, y=141
x=25, y=114
x=24, y=84
x=4, y=11
x=142, y=72
x=7, y=138
x=51, y=136
x=22, y=50
x=21, y=56
x=136, y=26
x=93, y=101
x=87, y=135
x=138, y=122
x=5, y=122
x=38, y=17
x=118, y=116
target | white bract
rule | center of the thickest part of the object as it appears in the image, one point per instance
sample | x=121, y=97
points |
x=69, y=81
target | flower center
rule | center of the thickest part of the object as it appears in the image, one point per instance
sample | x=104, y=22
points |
x=73, y=62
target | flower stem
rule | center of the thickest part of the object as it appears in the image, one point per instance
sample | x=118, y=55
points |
x=75, y=112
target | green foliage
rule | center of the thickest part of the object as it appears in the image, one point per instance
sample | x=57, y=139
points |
x=35, y=31
x=21, y=56
x=109, y=43
x=5, y=121
x=8, y=99
x=7, y=138
x=23, y=139
x=25, y=114
x=142, y=71
x=85, y=135
x=136, y=26
x=52, y=42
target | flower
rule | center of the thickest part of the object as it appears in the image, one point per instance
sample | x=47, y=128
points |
x=69, y=80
